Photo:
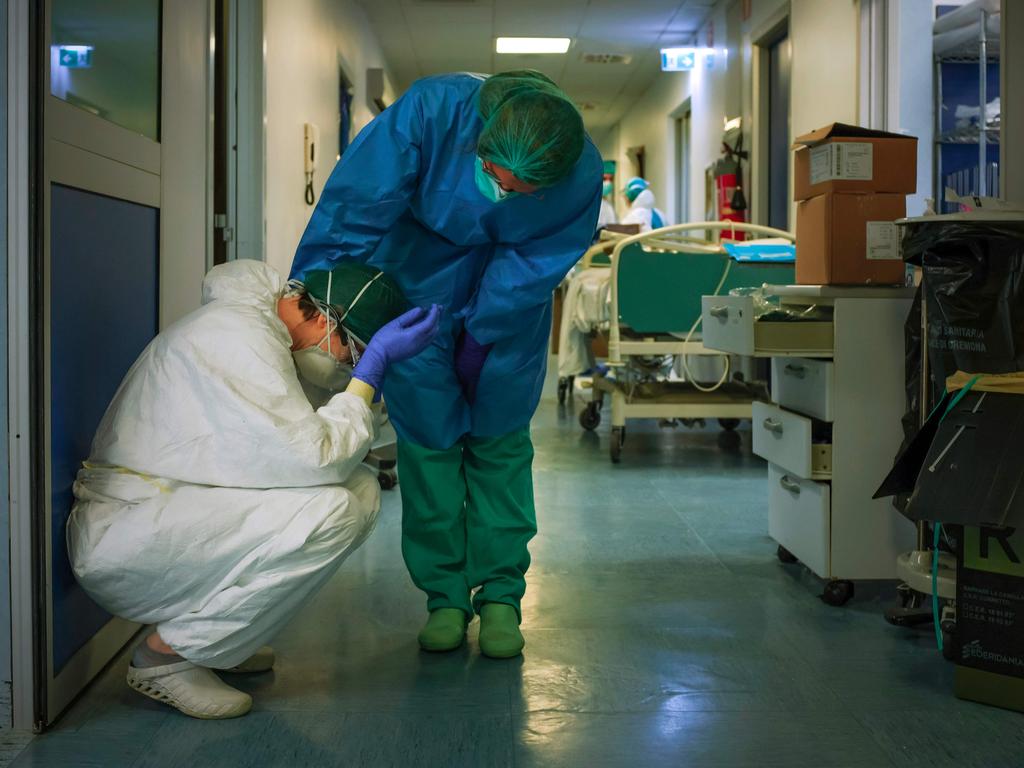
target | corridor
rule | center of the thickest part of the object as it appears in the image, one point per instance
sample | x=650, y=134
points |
x=661, y=631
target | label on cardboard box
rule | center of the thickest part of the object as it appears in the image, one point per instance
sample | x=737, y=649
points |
x=990, y=600
x=847, y=160
x=883, y=241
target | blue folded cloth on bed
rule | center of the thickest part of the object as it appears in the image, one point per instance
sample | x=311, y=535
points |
x=764, y=253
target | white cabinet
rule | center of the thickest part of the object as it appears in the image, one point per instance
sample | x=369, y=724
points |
x=729, y=324
x=787, y=439
x=805, y=385
x=834, y=425
x=798, y=517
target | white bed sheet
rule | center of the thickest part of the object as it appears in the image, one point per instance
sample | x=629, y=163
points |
x=584, y=310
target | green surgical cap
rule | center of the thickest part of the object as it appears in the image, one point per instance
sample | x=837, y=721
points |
x=634, y=187
x=363, y=298
x=530, y=127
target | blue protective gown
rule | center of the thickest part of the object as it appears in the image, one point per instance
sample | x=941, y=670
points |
x=403, y=198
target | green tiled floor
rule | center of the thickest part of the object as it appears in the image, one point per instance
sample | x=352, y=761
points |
x=661, y=631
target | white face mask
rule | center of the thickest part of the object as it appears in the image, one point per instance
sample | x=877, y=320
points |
x=321, y=368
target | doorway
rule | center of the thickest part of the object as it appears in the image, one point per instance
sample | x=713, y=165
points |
x=682, y=170
x=238, y=139
x=780, y=57
x=771, y=163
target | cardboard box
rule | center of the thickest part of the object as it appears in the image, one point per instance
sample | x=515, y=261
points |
x=990, y=617
x=844, y=239
x=847, y=158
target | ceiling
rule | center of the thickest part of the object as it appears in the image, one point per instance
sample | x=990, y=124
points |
x=425, y=37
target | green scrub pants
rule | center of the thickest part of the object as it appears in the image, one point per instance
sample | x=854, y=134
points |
x=467, y=517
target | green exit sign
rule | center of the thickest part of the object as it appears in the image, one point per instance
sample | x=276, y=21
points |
x=75, y=56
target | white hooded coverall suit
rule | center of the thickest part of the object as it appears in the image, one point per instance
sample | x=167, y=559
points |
x=216, y=500
x=641, y=211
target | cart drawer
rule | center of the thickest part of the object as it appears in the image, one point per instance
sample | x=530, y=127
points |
x=729, y=326
x=799, y=517
x=785, y=438
x=804, y=385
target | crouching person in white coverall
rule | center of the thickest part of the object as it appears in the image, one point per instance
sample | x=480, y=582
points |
x=216, y=501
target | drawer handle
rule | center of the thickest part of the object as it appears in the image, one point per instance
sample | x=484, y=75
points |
x=790, y=484
x=722, y=313
x=773, y=425
x=796, y=371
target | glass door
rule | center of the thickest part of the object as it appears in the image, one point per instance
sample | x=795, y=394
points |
x=98, y=303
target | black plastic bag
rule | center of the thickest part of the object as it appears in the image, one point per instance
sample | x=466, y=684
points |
x=974, y=294
x=963, y=466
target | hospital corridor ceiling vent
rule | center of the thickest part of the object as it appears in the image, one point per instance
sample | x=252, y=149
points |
x=606, y=58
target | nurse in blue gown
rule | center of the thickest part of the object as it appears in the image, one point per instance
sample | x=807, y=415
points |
x=478, y=194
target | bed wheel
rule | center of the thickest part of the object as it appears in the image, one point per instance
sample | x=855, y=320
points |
x=785, y=556
x=729, y=440
x=387, y=479
x=618, y=440
x=564, y=389
x=837, y=592
x=590, y=417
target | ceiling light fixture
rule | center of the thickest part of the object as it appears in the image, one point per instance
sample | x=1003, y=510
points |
x=532, y=44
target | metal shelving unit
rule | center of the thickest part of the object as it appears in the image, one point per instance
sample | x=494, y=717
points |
x=983, y=52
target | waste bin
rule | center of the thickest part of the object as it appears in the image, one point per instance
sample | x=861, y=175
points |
x=973, y=290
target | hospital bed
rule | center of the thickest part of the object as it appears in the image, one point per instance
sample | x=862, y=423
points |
x=584, y=303
x=656, y=281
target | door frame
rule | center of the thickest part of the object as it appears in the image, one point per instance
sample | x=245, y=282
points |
x=763, y=38
x=250, y=122
x=682, y=127
x=879, y=105
x=22, y=229
x=239, y=176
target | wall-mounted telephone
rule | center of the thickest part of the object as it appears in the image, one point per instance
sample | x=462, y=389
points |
x=310, y=157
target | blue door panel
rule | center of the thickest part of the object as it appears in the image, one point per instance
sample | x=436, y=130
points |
x=103, y=309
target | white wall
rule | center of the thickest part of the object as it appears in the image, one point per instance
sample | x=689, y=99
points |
x=824, y=35
x=307, y=41
x=607, y=141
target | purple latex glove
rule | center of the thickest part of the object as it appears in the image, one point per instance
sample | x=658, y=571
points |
x=470, y=355
x=400, y=339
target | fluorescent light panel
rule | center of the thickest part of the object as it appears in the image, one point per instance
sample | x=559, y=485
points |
x=532, y=44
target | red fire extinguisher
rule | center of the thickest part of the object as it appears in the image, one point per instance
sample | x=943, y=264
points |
x=732, y=201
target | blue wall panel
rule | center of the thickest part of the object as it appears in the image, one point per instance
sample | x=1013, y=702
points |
x=103, y=308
